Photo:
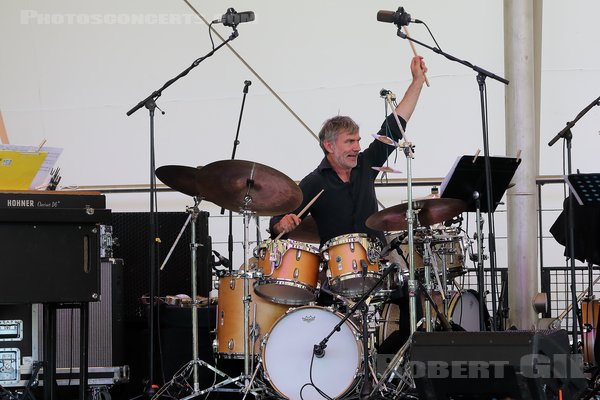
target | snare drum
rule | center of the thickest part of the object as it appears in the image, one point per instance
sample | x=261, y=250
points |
x=287, y=354
x=230, y=317
x=290, y=271
x=347, y=257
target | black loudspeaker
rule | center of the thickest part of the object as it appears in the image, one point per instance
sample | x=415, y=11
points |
x=49, y=262
x=131, y=235
x=485, y=365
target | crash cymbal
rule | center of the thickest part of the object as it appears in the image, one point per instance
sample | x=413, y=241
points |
x=181, y=178
x=239, y=185
x=307, y=231
x=431, y=211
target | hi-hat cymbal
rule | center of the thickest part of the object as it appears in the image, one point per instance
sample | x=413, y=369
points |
x=181, y=178
x=431, y=211
x=307, y=231
x=240, y=185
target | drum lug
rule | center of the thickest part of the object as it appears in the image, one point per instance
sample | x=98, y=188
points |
x=232, y=284
x=298, y=254
x=354, y=265
x=230, y=344
x=296, y=273
x=352, y=247
x=326, y=256
x=222, y=318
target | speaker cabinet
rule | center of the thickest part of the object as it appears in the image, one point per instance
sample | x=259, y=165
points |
x=49, y=262
x=509, y=364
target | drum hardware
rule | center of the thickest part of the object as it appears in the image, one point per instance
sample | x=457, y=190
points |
x=428, y=211
x=319, y=349
x=249, y=188
x=191, y=368
x=397, y=368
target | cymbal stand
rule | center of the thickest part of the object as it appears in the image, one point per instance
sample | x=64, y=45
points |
x=427, y=266
x=410, y=218
x=191, y=368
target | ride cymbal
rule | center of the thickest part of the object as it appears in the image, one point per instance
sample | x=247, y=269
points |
x=430, y=212
x=240, y=185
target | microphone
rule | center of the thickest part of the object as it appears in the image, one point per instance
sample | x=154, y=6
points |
x=385, y=93
x=319, y=350
x=222, y=260
x=398, y=17
x=394, y=244
x=233, y=18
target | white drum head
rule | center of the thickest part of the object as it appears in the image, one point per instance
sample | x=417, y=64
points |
x=464, y=311
x=288, y=351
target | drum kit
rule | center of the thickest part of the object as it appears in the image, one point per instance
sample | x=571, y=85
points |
x=267, y=313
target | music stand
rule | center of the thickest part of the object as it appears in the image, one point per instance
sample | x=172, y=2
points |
x=467, y=176
x=585, y=188
x=467, y=181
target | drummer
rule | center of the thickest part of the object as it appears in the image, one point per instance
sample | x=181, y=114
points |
x=345, y=172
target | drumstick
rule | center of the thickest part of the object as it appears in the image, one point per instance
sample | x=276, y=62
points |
x=412, y=46
x=304, y=210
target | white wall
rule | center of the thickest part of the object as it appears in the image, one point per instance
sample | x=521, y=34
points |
x=72, y=84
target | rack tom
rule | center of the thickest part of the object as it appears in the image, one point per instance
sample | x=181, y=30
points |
x=290, y=271
x=353, y=262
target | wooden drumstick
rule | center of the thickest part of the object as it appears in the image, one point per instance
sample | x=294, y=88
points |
x=412, y=46
x=303, y=210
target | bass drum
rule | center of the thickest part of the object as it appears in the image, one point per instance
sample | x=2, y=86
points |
x=287, y=355
x=463, y=310
x=230, y=317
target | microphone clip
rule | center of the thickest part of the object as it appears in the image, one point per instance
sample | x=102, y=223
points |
x=319, y=350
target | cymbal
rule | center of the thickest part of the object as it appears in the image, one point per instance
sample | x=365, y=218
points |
x=431, y=211
x=239, y=185
x=181, y=178
x=306, y=232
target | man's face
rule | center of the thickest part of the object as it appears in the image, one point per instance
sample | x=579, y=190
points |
x=344, y=150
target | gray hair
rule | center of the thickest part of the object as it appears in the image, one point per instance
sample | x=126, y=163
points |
x=333, y=126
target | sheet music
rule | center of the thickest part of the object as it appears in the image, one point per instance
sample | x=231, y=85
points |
x=42, y=178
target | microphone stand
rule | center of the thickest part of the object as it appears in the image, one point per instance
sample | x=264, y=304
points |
x=236, y=142
x=150, y=103
x=566, y=134
x=482, y=74
x=319, y=349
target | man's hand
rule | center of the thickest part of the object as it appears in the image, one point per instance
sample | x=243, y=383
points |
x=287, y=224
